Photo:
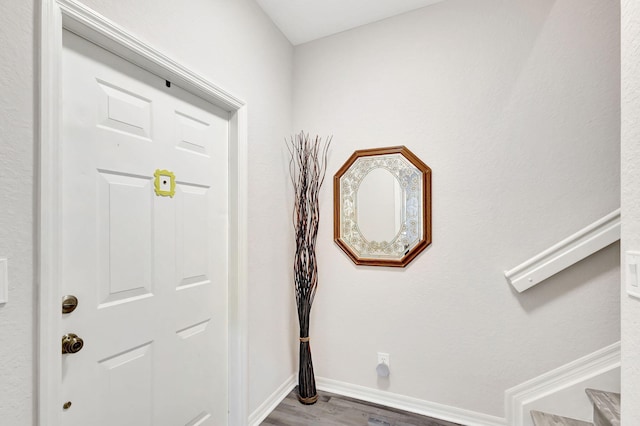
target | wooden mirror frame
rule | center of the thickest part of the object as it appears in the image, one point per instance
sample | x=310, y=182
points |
x=425, y=239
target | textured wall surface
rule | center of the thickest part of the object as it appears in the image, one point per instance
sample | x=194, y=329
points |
x=630, y=205
x=17, y=318
x=231, y=43
x=515, y=105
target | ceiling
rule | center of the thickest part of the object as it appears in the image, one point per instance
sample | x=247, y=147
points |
x=306, y=20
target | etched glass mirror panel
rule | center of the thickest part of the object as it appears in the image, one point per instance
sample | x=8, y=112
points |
x=382, y=206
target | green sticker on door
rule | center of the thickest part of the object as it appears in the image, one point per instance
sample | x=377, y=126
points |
x=165, y=183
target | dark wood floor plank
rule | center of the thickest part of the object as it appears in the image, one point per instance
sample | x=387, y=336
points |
x=335, y=410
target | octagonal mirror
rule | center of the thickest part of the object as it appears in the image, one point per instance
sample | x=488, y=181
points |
x=382, y=206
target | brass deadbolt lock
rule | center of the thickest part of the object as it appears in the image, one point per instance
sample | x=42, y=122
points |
x=69, y=304
x=71, y=343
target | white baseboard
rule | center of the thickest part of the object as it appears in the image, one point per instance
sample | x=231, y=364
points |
x=566, y=382
x=518, y=399
x=406, y=403
x=263, y=411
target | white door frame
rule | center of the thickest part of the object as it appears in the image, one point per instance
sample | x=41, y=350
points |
x=55, y=16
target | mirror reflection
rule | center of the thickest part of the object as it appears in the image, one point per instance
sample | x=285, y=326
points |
x=377, y=217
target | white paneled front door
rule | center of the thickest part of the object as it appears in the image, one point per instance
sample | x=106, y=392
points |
x=149, y=271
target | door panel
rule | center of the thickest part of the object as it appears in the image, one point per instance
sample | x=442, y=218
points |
x=126, y=381
x=123, y=111
x=191, y=218
x=125, y=208
x=150, y=272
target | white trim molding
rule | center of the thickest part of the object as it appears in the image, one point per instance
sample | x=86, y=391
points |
x=567, y=252
x=89, y=24
x=59, y=15
x=568, y=375
x=407, y=403
x=270, y=404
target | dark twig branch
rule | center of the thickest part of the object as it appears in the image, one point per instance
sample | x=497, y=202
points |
x=307, y=167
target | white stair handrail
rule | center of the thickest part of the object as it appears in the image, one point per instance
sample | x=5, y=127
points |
x=573, y=249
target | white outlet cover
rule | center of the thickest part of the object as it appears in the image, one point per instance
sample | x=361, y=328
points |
x=4, y=281
x=632, y=264
x=383, y=358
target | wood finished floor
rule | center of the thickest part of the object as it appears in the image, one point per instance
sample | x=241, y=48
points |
x=546, y=419
x=335, y=410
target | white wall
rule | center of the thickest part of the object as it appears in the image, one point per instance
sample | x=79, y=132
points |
x=233, y=44
x=514, y=104
x=630, y=205
x=17, y=318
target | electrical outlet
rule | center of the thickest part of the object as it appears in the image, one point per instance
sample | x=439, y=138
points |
x=383, y=358
x=632, y=260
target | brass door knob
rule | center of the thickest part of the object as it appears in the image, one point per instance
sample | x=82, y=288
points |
x=71, y=343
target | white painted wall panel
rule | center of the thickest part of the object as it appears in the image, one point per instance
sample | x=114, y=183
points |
x=17, y=317
x=630, y=205
x=515, y=106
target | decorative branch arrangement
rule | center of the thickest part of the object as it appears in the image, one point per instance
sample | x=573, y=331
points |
x=307, y=167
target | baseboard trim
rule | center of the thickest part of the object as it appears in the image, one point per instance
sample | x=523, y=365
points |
x=263, y=411
x=562, y=377
x=406, y=403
